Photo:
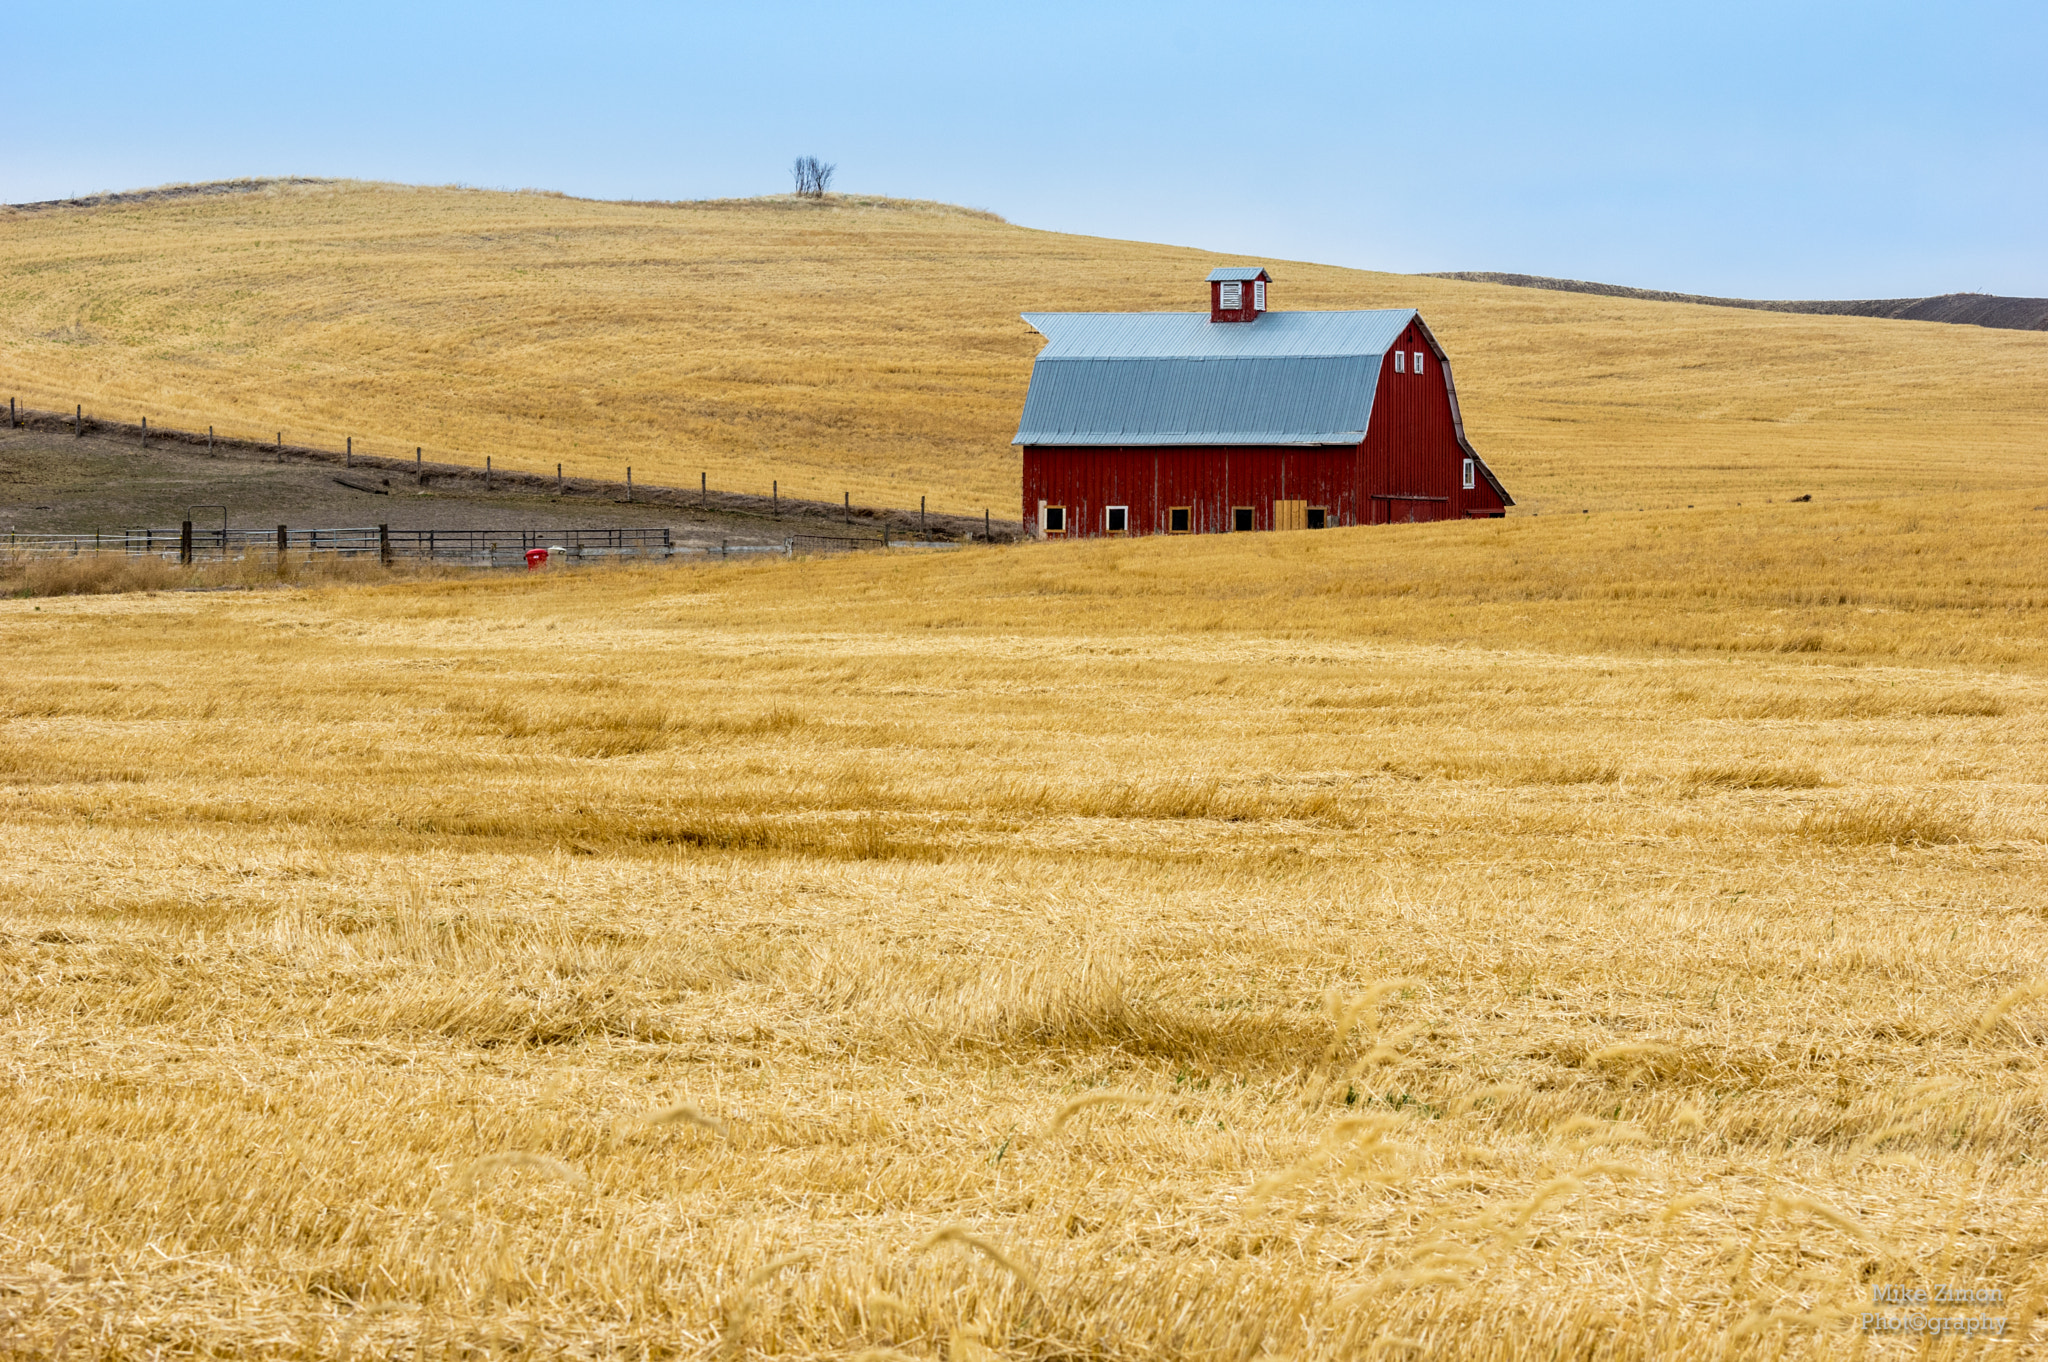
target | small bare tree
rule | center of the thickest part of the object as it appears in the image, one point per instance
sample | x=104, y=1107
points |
x=813, y=176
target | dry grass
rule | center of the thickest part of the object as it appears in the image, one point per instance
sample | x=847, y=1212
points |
x=90, y=574
x=1374, y=943
x=112, y=573
x=873, y=346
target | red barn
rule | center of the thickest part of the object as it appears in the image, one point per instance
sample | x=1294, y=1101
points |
x=1177, y=423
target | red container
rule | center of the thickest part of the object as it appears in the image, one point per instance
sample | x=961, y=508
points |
x=536, y=558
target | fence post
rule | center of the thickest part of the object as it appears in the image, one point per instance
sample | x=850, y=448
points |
x=558, y=479
x=280, y=446
x=849, y=506
x=920, y=515
x=487, y=472
x=13, y=421
x=384, y=545
x=703, y=487
x=78, y=421
x=185, y=543
x=629, y=483
x=348, y=453
x=775, y=496
x=419, y=469
x=984, y=526
x=209, y=440
x=145, y=432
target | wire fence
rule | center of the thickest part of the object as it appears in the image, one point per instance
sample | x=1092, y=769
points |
x=189, y=543
x=703, y=497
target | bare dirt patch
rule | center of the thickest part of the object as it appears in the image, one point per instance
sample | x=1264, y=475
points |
x=108, y=479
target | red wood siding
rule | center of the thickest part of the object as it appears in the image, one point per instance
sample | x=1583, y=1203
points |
x=1411, y=465
x=1210, y=482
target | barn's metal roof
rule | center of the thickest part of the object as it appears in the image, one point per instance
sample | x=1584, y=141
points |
x=1239, y=273
x=1176, y=378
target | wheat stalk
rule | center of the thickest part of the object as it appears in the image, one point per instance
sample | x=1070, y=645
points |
x=1344, y=1014
x=960, y=1234
x=478, y=1171
x=2025, y=993
x=1074, y=1106
x=682, y=1113
x=1820, y=1210
x=739, y=1310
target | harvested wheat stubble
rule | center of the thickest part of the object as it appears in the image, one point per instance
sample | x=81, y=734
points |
x=1192, y=955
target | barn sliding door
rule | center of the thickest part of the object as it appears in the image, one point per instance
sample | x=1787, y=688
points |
x=1290, y=515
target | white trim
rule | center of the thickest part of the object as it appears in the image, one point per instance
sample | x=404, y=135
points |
x=1258, y=295
x=1418, y=361
x=1400, y=361
x=1471, y=476
x=1109, y=513
x=1229, y=296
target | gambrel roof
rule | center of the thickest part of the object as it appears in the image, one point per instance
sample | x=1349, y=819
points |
x=1176, y=378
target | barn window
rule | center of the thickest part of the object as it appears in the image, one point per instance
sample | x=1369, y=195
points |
x=1055, y=520
x=1230, y=297
x=1400, y=360
x=1318, y=517
x=1468, y=475
x=1418, y=361
x=1116, y=519
x=1258, y=295
x=1180, y=520
x=1241, y=519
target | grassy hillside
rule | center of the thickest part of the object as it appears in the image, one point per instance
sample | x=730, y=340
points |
x=872, y=346
x=1560, y=937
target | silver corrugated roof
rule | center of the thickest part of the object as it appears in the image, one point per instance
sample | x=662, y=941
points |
x=1239, y=273
x=1176, y=378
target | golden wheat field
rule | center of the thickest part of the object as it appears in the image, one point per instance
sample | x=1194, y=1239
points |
x=1591, y=937
x=872, y=347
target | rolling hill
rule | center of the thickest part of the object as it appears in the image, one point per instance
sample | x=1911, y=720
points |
x=1961, y=309
x=872, y=347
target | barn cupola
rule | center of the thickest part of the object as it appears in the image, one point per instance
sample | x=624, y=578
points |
x=1237, y=293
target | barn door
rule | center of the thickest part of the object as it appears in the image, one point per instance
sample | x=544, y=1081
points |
x=1290, y=515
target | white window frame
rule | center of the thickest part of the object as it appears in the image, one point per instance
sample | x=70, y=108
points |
x=1258, y=295
x=1471, y=476
x=1229, y=296
x=1400, y=361
x=1109, y=512
x=1045, y=518
x=1418, y=362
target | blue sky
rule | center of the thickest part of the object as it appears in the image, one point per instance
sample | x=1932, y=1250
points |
x=1765, y=150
